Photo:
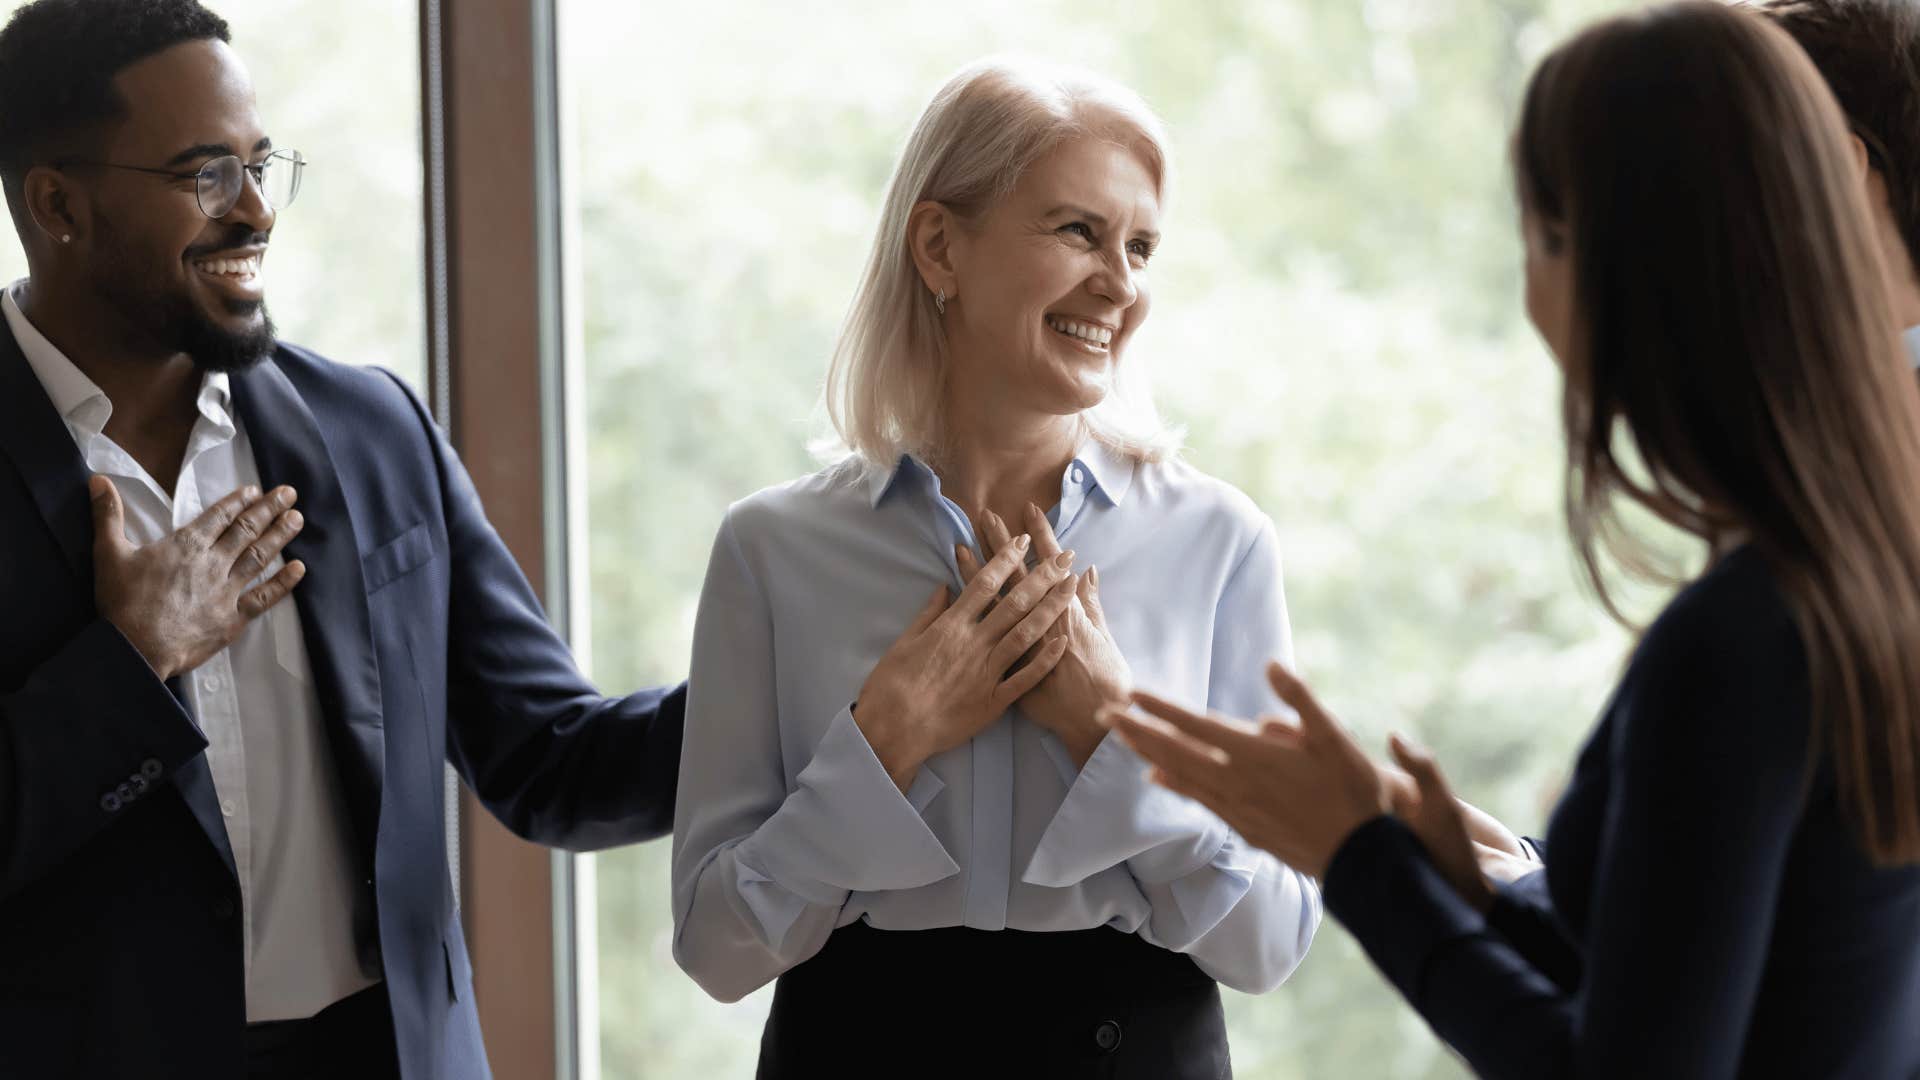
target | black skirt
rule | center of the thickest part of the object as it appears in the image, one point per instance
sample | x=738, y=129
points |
x=1007, y=1003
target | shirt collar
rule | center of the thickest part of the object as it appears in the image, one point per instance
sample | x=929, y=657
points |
x=1099, y=466
x=1111, y=471
x=1913, y=345
x=78, y=400
x=908, y=469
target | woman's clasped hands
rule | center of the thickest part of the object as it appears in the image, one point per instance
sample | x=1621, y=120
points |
x=1090, y=672
x=953, y=671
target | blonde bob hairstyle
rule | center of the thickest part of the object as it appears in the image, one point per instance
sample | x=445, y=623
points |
x=885, y=392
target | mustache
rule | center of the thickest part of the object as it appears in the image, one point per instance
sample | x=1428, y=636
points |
x=238, y=237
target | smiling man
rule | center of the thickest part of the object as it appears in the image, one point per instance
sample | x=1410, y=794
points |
x=253, y=605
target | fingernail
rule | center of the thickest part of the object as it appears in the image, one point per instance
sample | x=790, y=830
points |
x=294, y=520
x=250, y=493
x=1020, y=542
x=1064, y=560
x=1093, y=574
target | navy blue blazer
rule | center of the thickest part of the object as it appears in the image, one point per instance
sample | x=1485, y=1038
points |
x=1777, y=949
x=120, y=947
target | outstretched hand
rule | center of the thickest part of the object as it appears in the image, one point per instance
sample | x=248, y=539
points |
x=1296, y=789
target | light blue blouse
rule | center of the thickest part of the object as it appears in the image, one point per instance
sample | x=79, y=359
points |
x=787, y=826
x=1913, y=345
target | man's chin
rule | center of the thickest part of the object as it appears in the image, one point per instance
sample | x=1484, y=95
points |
x=235, y=342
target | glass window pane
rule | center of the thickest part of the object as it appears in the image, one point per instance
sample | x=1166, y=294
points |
x=1336, y=319
x=341, y=84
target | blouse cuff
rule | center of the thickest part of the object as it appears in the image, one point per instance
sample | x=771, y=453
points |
x=1205, y=896
x=1113, y=814
x=846, y=827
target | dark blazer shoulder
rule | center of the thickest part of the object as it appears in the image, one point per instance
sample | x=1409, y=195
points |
x=1731, y=636
x=373, y=399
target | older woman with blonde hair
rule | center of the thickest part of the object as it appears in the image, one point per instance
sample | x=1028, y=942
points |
x=895, y=796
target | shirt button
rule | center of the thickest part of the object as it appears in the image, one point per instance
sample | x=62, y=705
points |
x=125, y=791
x=1107, y=1036
x=151, y=768
x=213, y=682
x=110, y=802
x=226, y=807
x=1077, y=476
x=139, y=784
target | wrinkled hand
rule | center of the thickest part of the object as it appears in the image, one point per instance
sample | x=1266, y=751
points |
x=1297, y=790
x=1091, y=673
x=946, y=677
x=1436, y=817
x=180, y=600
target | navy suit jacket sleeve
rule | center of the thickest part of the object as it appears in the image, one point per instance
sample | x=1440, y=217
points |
x=1709, y=728
x=546, y=753
x=1523, y=914
x=91, y=717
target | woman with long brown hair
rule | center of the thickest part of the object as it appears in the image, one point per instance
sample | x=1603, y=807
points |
x=1734, y=881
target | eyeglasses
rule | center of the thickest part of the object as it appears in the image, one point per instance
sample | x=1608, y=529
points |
x=219, y=183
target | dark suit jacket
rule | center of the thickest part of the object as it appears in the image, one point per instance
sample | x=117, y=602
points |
x=120, y=948
x=1774, y=949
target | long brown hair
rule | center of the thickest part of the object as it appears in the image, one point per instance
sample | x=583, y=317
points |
x=1733, y=335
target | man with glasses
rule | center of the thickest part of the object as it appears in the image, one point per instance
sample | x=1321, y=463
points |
x=253, y=605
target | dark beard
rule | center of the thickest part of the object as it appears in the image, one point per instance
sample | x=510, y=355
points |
x=215, y=349
x=171, y=320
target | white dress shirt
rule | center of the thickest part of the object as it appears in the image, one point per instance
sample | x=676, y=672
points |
x=254, y=701
x=787, y=827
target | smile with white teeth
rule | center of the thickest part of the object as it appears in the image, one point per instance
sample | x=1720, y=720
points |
x=1094, y=337
x=239, y=269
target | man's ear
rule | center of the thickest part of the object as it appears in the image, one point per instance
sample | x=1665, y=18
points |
x=1862, y=158
x=57, y=208
x=930, y=230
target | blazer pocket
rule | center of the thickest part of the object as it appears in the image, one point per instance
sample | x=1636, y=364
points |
x=397, y=557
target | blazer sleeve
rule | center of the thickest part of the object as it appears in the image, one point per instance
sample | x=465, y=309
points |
x=1523, y=913
x=88, y=727
x=1709, y=729
x=557, y=762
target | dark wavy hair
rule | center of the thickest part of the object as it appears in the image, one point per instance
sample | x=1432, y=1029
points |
x=1735, y=338
x=57, y=63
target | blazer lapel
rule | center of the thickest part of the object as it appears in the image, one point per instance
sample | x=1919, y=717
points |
x=42, y=448
x=289, y=448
